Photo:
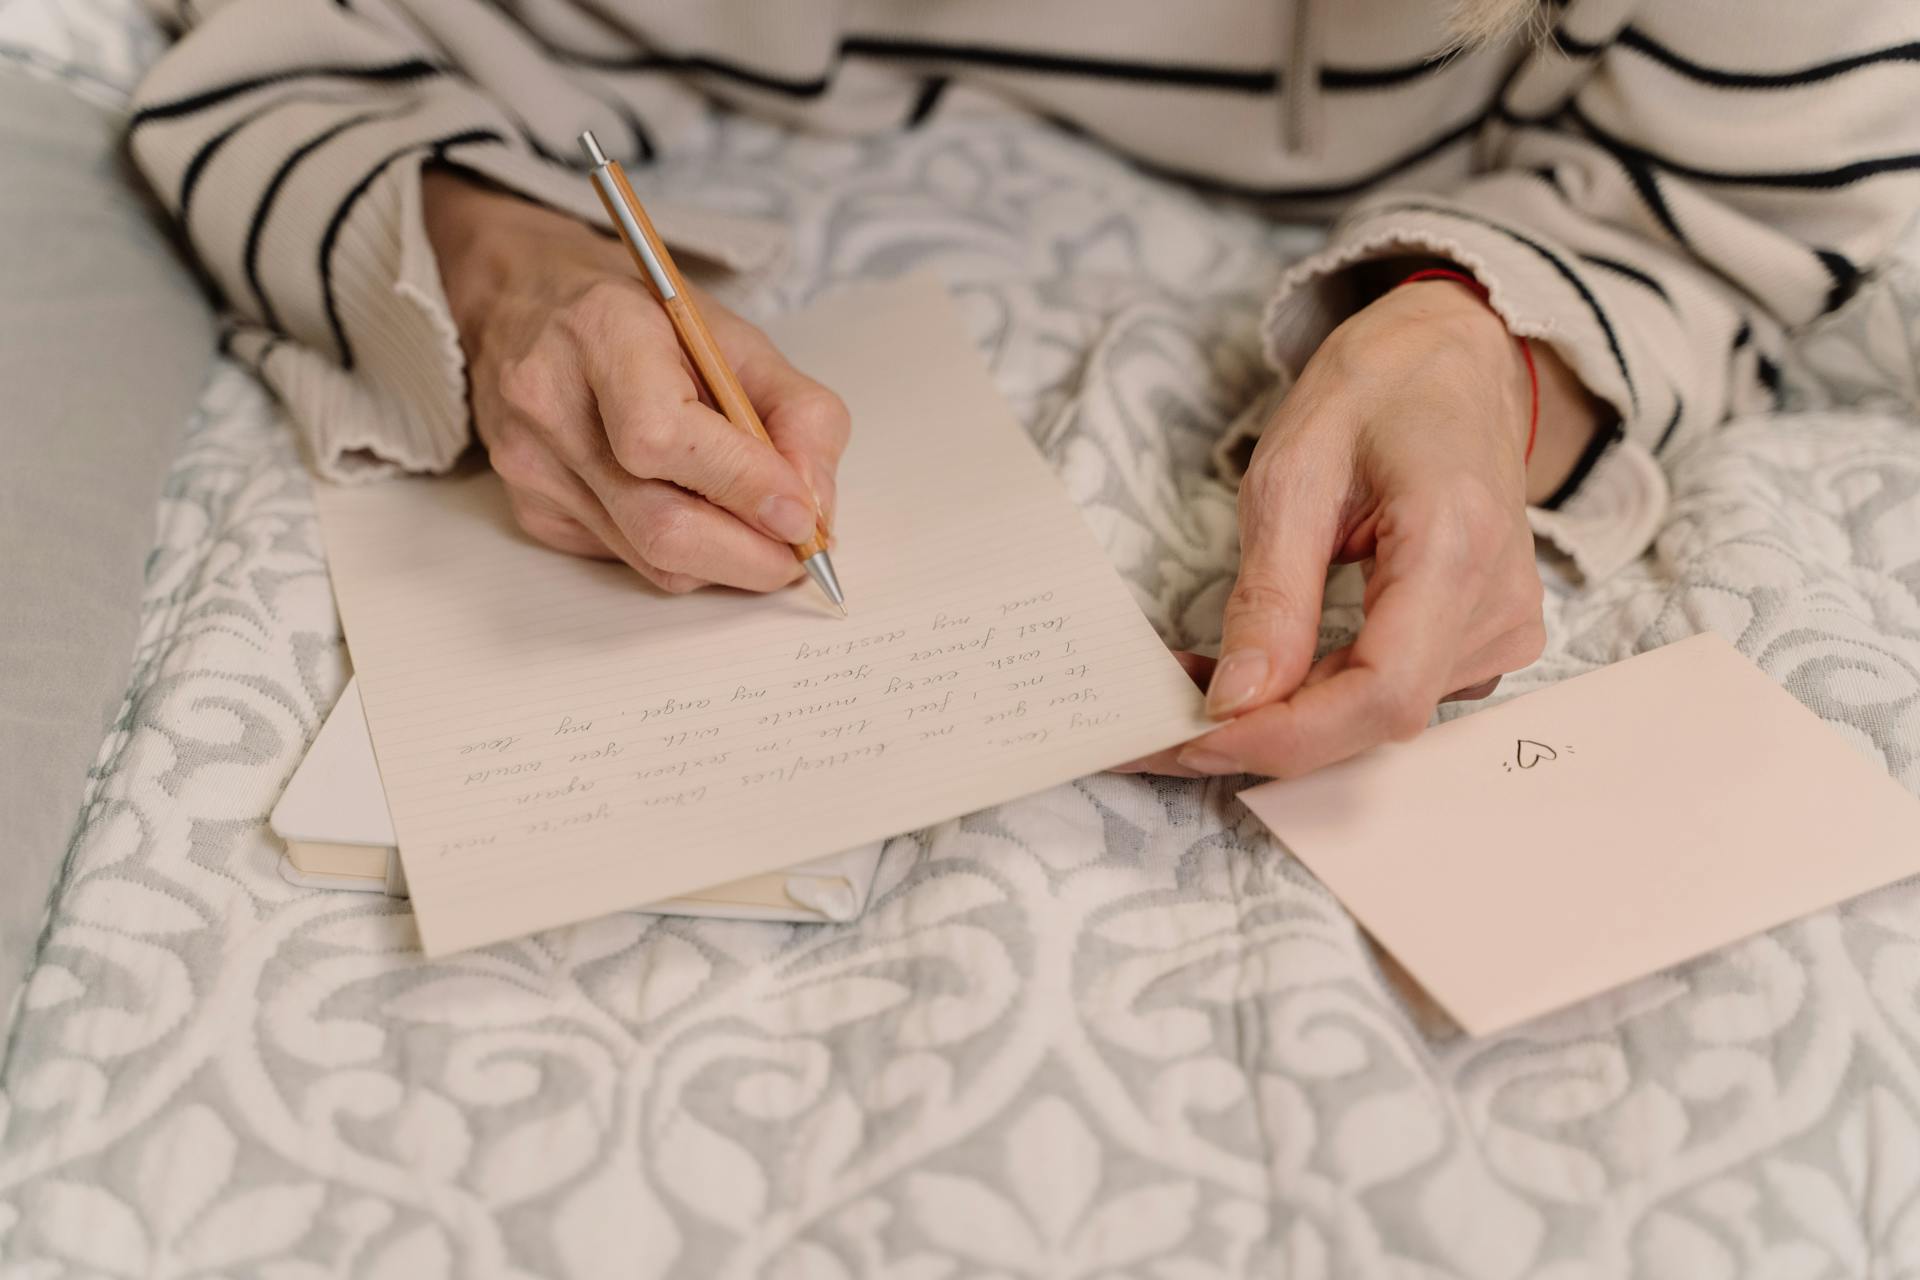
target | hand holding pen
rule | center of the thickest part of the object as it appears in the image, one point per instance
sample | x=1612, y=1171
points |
x=594, y=416
x=723, y=385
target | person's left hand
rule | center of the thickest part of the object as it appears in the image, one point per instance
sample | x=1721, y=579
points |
x=1402, y=443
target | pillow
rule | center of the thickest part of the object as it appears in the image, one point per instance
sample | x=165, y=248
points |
x=105, y=340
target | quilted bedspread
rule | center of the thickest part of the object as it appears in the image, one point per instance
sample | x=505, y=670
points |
x=1110, y=1030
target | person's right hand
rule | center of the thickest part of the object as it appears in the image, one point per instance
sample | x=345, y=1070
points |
x=594, y=418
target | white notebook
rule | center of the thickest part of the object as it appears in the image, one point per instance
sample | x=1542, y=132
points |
x=333, y=817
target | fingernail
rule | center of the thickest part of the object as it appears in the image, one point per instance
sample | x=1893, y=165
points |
x=789, y=520
x=820, y=486
x=1201, y=760
x=824, y=492
x=1236, y=681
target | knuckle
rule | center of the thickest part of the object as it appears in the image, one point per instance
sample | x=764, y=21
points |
x=527, y=384
x=543, y=524
x=1342, y=357
x=526, y=513
x=1399, y=709
x=828, y=412
x=518, y=458
x=1260, y=594
x=1525, y=634
x=1409, y=721
x=1294, y=488
x=1536, y=595
x=607, y=301
x=1275, y=457
x=638, y=442
x=668, y=542
x=729, y=456
x=1530, y=608
x=1529, y=642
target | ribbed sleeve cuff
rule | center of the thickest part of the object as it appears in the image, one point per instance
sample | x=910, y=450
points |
x=403, y=405
x=395, y=397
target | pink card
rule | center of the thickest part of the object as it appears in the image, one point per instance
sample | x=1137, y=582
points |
x=1536, y=853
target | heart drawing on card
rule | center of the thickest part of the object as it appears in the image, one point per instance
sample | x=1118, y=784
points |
x=1528, y=753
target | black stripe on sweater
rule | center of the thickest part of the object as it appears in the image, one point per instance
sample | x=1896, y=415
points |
x=1640, y=42
x=1558, y=263
x=1174, y=74
x=1799, y=179
x=1597, y=446
x=204, y=155
x=1646, y=183
x=265, y=353
x=1638, y=172
x=198, y=164
x=1846, y=277
x=410, y=69
x=1673, y=424
x=643, y=149
x=1630, y=272
x=926, y=101
x=345, y=207
x=1574, y=47
x=1001, y=57
x=1337, y=79
x=789, y=86
x=1330, y=191
x=256, y=226
x=1203, y=76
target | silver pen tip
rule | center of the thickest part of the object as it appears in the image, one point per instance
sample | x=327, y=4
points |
x=820, y=568
x=591, y=145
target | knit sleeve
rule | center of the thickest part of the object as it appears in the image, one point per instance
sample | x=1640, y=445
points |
x=1666, y=222
x=287, y=138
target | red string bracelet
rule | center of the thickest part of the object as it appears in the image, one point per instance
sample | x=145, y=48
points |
x=1526, y=352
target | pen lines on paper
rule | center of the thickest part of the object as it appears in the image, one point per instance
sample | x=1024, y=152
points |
x=496, y=748
x=598, y=834
x=839, y=720
x=1043, y=664
x=524, y=717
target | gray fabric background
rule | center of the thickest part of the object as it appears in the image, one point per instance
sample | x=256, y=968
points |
x=104, y=343
x=1109, y=1031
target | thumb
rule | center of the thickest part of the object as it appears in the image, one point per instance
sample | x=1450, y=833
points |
x=1288, y=518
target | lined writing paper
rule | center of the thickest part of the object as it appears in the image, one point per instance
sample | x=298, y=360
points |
x=558, y=740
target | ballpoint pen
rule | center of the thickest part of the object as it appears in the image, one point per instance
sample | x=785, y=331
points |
x=656, y=264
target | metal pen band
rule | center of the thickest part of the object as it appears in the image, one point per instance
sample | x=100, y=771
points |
x=610, y=190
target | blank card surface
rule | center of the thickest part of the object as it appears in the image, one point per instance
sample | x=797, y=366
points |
x=558, y=740
x=1541, y=851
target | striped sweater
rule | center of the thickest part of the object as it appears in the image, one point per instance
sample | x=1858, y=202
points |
x=1663, y=190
